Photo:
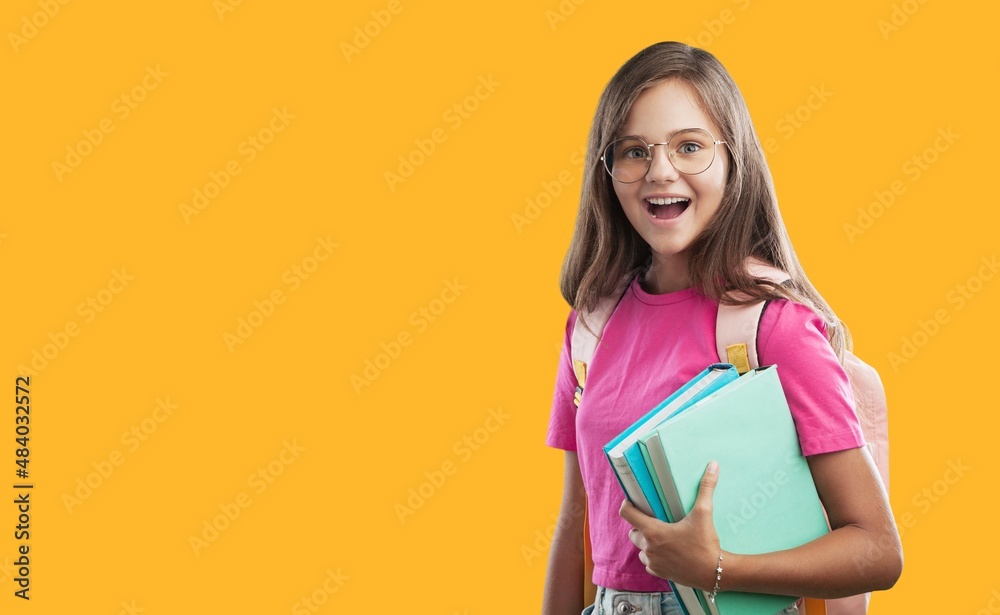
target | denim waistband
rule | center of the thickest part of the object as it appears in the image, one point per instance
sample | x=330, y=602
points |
x=614, y=602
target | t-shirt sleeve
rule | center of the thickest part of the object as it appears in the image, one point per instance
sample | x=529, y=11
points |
x=819, y=394
x=562, y=421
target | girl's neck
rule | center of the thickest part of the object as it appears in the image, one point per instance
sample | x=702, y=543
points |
x=666, y=275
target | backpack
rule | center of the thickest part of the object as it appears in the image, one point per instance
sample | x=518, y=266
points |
x=736, y=343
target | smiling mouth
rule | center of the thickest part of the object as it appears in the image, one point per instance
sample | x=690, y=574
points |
x=666, y=207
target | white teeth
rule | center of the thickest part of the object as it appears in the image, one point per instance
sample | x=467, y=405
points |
x=667, y=200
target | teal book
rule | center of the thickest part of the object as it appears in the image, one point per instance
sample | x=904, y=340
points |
x=765, y=499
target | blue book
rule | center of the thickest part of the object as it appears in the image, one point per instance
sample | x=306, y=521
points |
x=624, y=453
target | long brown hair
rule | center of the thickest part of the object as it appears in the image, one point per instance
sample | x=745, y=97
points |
x=606, y=251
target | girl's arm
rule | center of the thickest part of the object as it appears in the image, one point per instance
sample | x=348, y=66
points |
x=564, y=579
x=862, y=552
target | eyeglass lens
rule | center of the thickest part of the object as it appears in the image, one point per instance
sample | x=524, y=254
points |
x=690, y=151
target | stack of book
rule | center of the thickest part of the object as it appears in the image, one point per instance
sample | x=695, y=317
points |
x=765, y=499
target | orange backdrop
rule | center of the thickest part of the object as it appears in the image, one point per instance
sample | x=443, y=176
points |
x=284, y=277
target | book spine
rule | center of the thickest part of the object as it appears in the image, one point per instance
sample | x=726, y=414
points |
x=646, y=482
x=629, y=485
x=657, y=484
x=688, y=599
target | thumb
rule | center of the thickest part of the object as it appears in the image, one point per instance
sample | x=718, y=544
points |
x=707, y=487
x=634, y=517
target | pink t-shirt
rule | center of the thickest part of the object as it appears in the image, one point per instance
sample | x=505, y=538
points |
x=651, y=346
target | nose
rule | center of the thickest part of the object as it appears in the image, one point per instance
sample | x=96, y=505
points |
x=661, y=169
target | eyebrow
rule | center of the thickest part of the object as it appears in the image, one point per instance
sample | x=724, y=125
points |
x=622, y=135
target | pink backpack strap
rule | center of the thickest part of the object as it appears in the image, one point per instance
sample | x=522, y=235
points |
x=584, y=342
x=736, y=335
x=736, y=325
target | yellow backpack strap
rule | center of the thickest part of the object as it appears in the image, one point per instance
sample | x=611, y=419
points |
x=580, y=369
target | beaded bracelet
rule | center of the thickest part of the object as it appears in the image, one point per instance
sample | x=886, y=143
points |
x=718, y=577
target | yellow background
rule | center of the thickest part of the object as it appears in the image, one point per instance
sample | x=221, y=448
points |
x=482, y=531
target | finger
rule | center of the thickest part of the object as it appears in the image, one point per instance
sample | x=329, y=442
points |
x=707, y=487
x=637, y=538
x=635, y=517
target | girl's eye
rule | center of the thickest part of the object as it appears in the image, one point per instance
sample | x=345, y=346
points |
x=634, y=153
x=688, y=148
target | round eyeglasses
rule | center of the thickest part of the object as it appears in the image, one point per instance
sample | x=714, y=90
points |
x=691, y=151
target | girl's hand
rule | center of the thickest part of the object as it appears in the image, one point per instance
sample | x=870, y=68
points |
x=687, y=551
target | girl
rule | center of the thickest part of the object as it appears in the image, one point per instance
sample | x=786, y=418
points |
x=677, y=196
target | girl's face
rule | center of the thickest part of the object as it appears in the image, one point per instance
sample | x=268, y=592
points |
x=670, y=227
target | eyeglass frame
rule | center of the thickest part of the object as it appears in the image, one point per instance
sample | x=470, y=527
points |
x=649, y=154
